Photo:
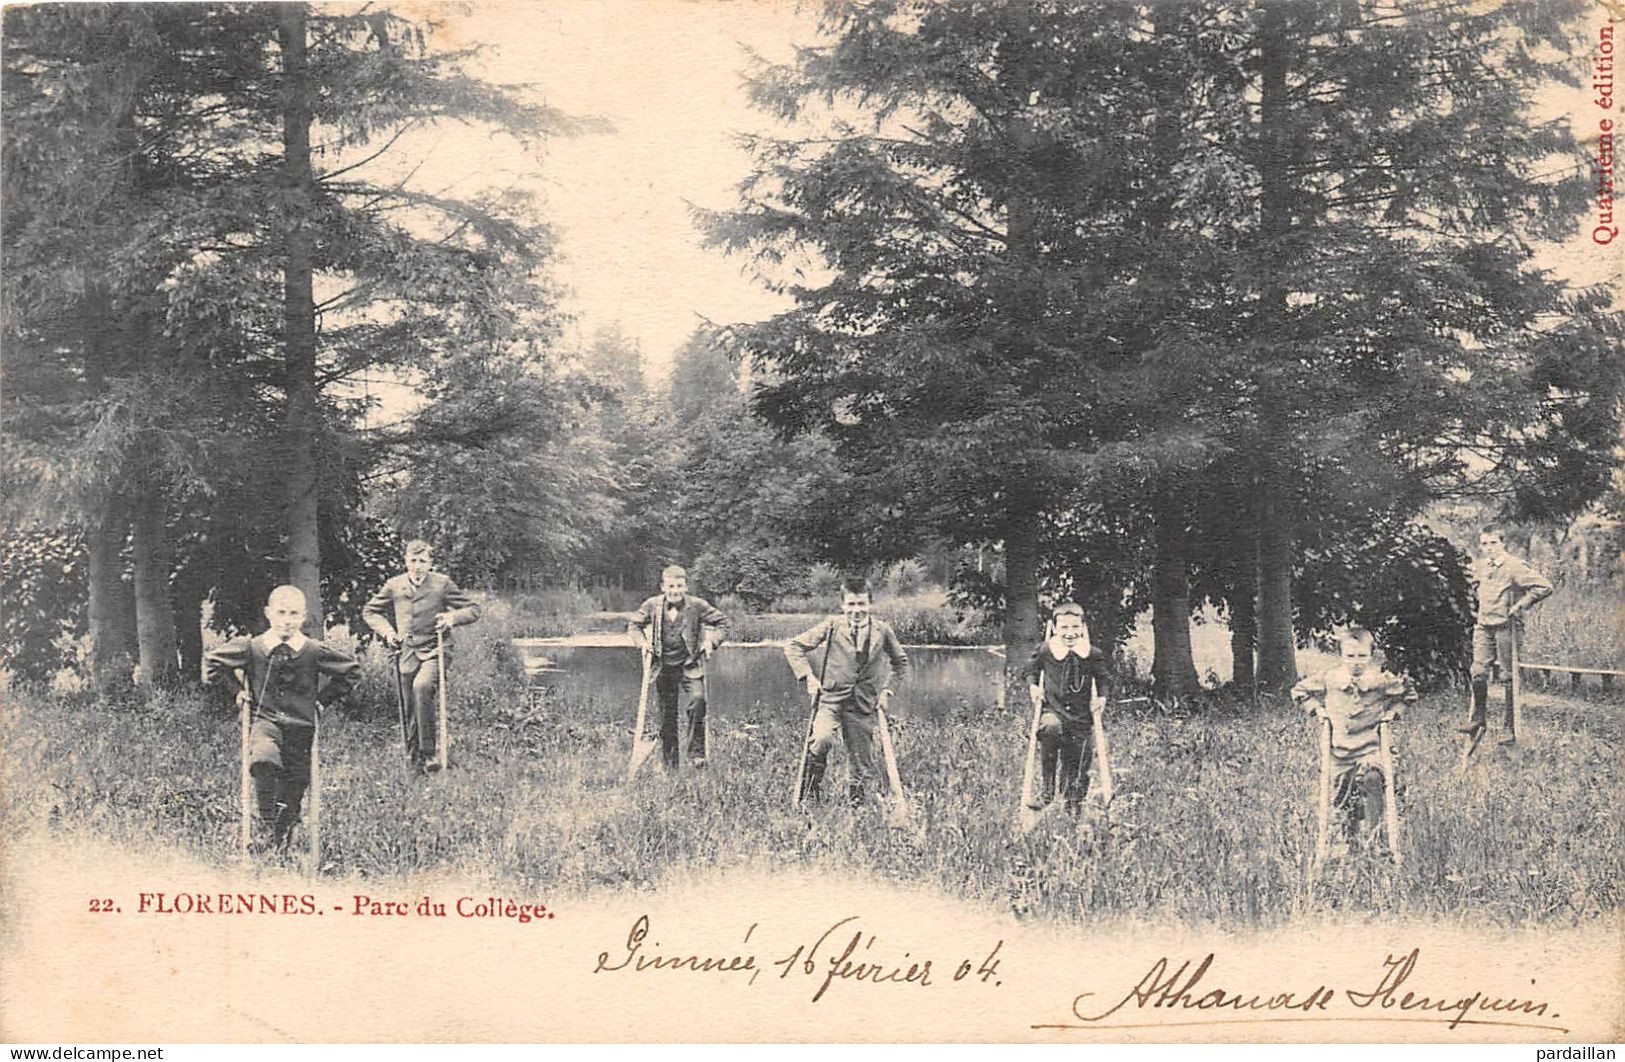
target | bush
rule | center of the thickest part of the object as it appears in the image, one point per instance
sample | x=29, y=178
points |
x=756, y=574
x=977, y=591
x=922, y=624
x=820, y=604
x=900, y=579
x=1408, y=587
x=43, y=580
x=824, y=580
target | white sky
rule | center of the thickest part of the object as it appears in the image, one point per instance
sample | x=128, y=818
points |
x=667, y=74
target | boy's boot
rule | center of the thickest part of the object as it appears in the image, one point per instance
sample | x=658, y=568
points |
x=1368, y=803
x=1481, y=701
x=289, y=796
x=1511, y=736
x=812, y=786
x=265, y=807
x=282, y=827
x=1077, y=789
x=696, y=737
x=1047, y=756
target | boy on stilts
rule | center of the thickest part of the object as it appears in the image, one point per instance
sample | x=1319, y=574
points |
x=414, y=614
x=1358, y=700
x=852, y=664
x=288, y=677
x=1066, y=679
x=679, y=632
x=1507, y=588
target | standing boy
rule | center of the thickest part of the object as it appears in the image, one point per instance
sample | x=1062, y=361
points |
x=1507, y=588
x=285, y=672
x=1073, y=688
x=1356, y=696
x=680, y=632
x=413, y=614
x=852, y=664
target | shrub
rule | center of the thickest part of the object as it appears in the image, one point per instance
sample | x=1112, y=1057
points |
x=44, y=587
x=977, y=591
x=1409, y=587
x=900, y=579
x=757, y=574
x=823, y=580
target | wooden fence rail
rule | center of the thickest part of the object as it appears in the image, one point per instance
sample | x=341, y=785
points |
x=1575, y=674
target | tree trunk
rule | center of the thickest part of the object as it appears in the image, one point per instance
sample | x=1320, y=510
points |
x=302, y=422
x=1021, y=309
x=1277, y=649
x=154, y=615
x=1244, y=633
x=1105, y=620
x=1173, y=671
x=111, y=606
x=1021, y=624
x=190, y=590
x=1240, y=516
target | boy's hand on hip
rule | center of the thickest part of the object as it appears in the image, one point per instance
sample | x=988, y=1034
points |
x=812, y=686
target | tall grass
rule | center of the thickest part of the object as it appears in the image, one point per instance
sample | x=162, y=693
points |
x=1578, y=626
x=1212, y=824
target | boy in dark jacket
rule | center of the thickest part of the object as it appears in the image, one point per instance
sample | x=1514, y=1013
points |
x=680, y=632
x=285, y=672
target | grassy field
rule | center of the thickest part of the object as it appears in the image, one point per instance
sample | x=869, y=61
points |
x=1212, y=823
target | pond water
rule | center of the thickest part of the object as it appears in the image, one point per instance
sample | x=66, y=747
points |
x=751, y=682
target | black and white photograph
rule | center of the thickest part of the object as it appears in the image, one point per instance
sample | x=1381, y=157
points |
x=1072, y=522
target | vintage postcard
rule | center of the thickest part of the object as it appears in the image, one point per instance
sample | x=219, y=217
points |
x=1036, y=522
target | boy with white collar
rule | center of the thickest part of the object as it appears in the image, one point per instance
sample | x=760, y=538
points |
x=1067, y=679
x=285, y=672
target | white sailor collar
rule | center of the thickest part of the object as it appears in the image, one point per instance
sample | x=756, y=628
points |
x=269, y=641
